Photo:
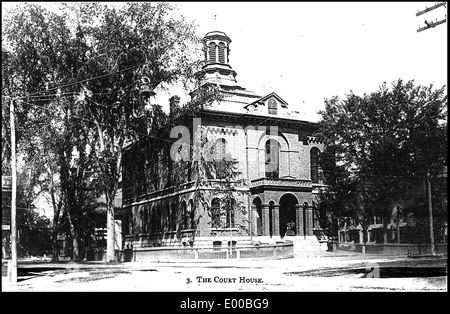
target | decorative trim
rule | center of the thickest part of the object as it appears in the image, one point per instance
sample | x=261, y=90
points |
x=221, y=130
x=313, y=140
x=281, y=183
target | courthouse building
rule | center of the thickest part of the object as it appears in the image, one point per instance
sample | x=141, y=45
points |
x=277, y=158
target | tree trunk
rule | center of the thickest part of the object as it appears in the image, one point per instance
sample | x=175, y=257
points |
x=56, y=210
x=55, y=248
x=73, y=235
x=110, y=236
x=385, y=231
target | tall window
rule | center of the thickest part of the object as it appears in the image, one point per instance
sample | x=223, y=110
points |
x=212, y=52
x=229, y=223
x=192, y=214
x=221, y=52
x=153, y=221
x=272, y=159
x=173, y=217
x=272, y=106
x=186, y=216
x=219, y=152
x=227, y=220
x=220, y=149
x=215, y=213
x=314, y=159
x=145, y=224
x=130, y=223
x=158, y=219
x=141, y=219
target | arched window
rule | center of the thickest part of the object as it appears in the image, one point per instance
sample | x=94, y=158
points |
x=221, y=52
x=272, y=107
x=314, y=160
x=212, y=53
x=272, y=158
x=215, y=213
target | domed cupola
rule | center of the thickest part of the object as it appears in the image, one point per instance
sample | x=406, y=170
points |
x=217, y=47
x=217, y=69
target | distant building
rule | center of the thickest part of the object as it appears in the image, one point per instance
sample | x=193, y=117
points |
x=407, y=220
x=279, y=168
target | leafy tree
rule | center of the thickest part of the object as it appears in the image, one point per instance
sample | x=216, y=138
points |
x=42, y=56
x=142, y=45
x=376, y=142
x=91, y=62
x=35, y=232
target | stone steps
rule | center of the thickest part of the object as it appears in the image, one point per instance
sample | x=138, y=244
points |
x=306, y=244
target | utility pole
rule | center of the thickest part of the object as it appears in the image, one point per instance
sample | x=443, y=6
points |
x=12, y=271
x=430, y=213
x=431, y=24
x=398, y=224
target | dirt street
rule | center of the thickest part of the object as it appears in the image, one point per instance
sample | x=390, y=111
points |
x=328, y=271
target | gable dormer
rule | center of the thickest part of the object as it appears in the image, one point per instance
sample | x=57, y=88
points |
x=272, y=105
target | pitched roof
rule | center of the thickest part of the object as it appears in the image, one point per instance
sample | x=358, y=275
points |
x=262, y=99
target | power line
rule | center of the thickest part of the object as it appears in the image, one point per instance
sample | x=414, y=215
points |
x=103, y=124
x=77, y=82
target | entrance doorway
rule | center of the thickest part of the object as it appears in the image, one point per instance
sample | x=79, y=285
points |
x=288, y=215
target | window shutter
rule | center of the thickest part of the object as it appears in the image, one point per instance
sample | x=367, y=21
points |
x=221, y=52
x=212, y=52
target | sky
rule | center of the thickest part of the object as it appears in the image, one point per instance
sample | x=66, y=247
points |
x=308, y=51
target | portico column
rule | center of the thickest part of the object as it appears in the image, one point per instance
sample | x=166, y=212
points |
x=308, y=217
x=299, y=220
x=254, y=222
x=276, y=220
x=265, y=219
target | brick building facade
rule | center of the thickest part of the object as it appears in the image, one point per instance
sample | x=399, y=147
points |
x=276, y=157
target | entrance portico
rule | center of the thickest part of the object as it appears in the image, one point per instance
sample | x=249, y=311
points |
x=279, y=209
